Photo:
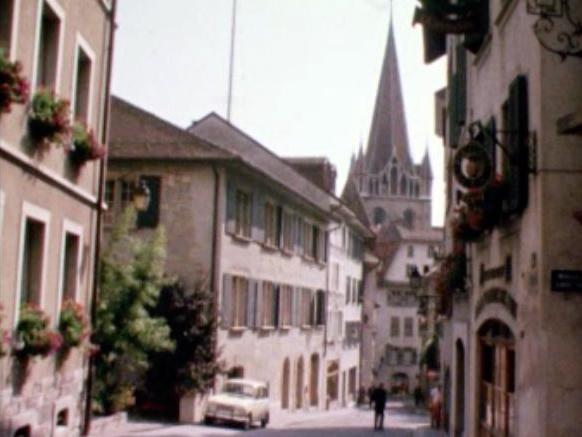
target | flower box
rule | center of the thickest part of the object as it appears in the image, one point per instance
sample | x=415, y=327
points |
x=84, y=146
x=13, y=87
x=73, y=324
x=33, y=334
x=4, y=336
x=49, y=118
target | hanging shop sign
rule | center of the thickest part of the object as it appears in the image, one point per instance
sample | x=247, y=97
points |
x=566, y=280
x=472, y=166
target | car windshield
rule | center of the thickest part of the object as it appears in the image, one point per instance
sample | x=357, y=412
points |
x=242, y=390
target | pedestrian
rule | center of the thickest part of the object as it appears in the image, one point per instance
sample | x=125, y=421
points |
x=435, y=407
x=379, y=397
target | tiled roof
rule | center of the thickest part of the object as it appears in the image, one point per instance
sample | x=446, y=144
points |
x=217, y=130
x=138, y=134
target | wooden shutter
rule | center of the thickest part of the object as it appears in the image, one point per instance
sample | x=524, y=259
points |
x=517, y=146
x=300, y=233
x=259, y=304
x=226, y=302
x=230, y=225
x=150, y=218
x=279, y=226
x=489, y=141
x=258, y=216
x=295, y=307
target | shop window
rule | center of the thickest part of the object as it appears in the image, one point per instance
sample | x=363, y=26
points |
x=48, y=50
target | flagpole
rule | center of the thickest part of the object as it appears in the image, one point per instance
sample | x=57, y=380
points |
x=231, y=65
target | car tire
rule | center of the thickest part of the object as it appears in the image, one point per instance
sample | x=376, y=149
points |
x=208, y=420
x=264, y=421
x=249, y=423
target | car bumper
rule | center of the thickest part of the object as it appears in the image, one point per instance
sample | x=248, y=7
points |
x=226, y=417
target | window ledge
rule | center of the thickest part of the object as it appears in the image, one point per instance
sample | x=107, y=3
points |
x=287, y=252
x=237, y=329
x=269, y=247
x=266, y=328
x=285, y=327
x=241, y=238
x=306, y=327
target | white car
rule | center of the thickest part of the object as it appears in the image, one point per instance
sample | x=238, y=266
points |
x=242, y=401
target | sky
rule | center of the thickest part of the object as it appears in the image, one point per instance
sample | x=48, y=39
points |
x=305, y=72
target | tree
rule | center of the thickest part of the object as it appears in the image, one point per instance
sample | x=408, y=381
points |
x=131, y=278
x=192, y=366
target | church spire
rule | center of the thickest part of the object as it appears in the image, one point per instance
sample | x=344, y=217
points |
x=388, y=135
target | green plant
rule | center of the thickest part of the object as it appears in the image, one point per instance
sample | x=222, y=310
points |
x=85, y=146
x=33, y=334
x=73, y=324
x=13, y=87
x=49, y=118
x=131, y=276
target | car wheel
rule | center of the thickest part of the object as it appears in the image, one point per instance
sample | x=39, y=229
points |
x=247, y=425
x=208, y=420
x=264, y=421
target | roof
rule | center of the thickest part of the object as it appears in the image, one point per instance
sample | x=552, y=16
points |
x=352, y=199
x=217, y=130
x=429, y=235
x=317, y=169
x=388, y=135
x=139, y=134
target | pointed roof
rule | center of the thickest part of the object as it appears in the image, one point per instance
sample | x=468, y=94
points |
x=388, y=133
x=425, y=167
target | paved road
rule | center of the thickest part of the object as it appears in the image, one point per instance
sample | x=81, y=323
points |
x=401, y=421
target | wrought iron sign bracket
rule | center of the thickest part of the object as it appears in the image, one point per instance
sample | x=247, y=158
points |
x=476, y=129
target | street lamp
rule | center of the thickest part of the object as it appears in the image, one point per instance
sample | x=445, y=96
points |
x=141, y=196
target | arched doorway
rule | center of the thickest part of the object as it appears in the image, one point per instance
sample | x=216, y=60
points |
x=299, y=384
x=314, y=382
x=496, y=379
x=459, y=407
x=285, y=382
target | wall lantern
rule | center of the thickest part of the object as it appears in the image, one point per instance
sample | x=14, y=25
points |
x=141, y=196
x=472, y=166
x=559, y=26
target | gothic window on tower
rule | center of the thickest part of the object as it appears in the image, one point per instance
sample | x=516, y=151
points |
x=379, y=216
x=403, y=185
x=394, y=181
x=384, y=184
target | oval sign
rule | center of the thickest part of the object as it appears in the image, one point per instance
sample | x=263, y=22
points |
x=472, y=166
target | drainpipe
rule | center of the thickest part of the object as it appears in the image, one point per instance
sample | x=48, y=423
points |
x=86, y=428
x=215, y=255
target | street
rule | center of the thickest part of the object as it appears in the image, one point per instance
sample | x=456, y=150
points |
x=401, y=421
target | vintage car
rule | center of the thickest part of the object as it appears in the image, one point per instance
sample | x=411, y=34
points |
x=242, y=401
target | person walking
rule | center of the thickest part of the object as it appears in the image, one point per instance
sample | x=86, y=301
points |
x=379, y=397
x=435, y=407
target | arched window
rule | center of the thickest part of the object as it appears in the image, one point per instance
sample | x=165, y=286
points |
x=403, y=185
x=394, y=181
x=370, y=186
x=379, y=216
x=384, y=184
x=416, y=189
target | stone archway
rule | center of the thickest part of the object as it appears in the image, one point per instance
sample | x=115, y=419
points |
x=496, y=388
x=459, y=407
x=299, y=383
x=285, y=384
x=314, y=381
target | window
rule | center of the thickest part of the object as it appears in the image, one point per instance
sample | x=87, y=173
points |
x=48, y=49
x=279, y=227
x=315, y=248
x=32, y=261
x=287, y=232
x=285, y=305
x=268, y=305
x=243, y=214
x=348, y=289
x=125, y=194
x=150, y=217
x=431, y=251
x=270, y=224
x=335, y=274
x=410, y=251
x=82, y=86
x=109, y=194
x=306, y=307
x=6, y=20
x=354, y=290
x=399, y=357
x=319, y=307
x=408, y=326
x=394, y=327
x=410, y=268
x=70, y=278
x=308, y=240
x=240, y=290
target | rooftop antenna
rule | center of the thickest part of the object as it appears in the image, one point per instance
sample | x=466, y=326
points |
x=231, y=64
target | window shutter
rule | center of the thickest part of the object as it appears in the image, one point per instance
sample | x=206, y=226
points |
x=150, y=218
x=258, y=216
x=230, y=225
x=517, y=146
x=489, y=143
x=226, y=302
x=252, y=304
x=312, y=307
x=300, y=235
x=276, y=300
x=279, y=226
x=461, y=84
x=259, y=304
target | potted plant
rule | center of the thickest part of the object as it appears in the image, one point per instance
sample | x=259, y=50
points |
x=33, y=334
x=49, y=118
x=13, y=87
x=4, y=336
x=84, y=146
x=73, y=324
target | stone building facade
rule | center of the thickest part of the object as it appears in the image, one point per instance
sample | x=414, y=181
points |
x=48, y=205
x=246, y=219
x=395, y=195
x=511, y=330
